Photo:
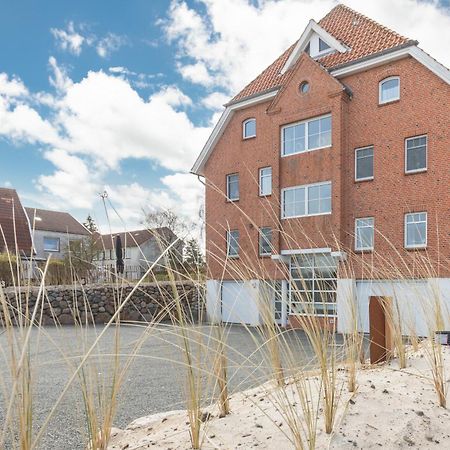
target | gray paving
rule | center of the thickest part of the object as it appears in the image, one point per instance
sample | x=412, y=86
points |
x=153, y=383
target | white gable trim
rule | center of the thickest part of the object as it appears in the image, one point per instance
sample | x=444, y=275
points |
x=413, y=51
x=222, y=123
x=313, y=27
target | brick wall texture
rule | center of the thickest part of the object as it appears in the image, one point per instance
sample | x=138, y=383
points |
x=357, y=121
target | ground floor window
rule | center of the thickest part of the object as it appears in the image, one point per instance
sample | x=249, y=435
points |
x=312, y=285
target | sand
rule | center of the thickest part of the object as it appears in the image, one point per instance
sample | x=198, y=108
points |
x=391, y=409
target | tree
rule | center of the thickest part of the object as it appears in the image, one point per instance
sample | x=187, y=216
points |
x=169, y=219
x=193, y=257
x=90, y=224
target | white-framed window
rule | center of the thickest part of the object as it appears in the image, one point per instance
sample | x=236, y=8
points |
x=265, y=241
x=249, y=128
x=364, y=233
x=51, y=244
x=416, y=230
x=305, y=136
x=312, y=285
x=364, y=163
x=416, y=154
x=265, y=181
x=233, y=186
x=306, y=200
x=389, y=90
x=233, y=243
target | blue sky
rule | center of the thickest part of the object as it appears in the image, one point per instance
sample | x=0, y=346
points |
x=121, y=95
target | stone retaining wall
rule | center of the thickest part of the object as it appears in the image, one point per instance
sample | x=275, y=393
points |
x=65, y=304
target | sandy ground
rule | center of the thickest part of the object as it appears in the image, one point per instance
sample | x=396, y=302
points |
x=391, y=409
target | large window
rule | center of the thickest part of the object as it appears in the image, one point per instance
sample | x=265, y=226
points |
x=389, y=89
x=265, y=181
x=364, y=164
x=51, y=244
x=249, y=128
x=233, y=187
x=307, y=200
x=312, y=286
x=265, y=241
x=364, y=233
x=233, y=243
x=304, y=136
x=416, y=154
x=416, y=230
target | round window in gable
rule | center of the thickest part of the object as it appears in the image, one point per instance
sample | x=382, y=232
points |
x=304, y=87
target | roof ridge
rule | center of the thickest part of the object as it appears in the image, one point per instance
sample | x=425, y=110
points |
x=363, y=16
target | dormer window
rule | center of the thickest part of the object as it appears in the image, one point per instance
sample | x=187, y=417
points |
x=389, y=90
x=323, y=46
x=249, y=128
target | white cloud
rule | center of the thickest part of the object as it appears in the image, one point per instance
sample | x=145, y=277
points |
x=196, y=73
x=215, y=101
x=96, y=124
x=11, y=87
x=71, y=181
x=69, y=39
x=6, y=184
x=214, y=49
x=73, y=41
x=110, y=43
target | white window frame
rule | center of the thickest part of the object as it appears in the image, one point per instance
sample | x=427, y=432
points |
x=306, y=187
x=405, y=230
x=260, y=237
x=356, y=234
x=306, y=122
x=228, y=187
x=356, y=165
x=261, y=176
x=53, y=238
x=245, y=122
x=228, y=239
x=313, y=278
x=426, y=154
x=380, y=84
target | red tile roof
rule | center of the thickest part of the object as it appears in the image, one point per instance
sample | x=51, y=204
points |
x=60, y=222
x=362, y=35
x=14, y=224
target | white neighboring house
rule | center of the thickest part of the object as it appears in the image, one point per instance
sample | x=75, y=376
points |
x=140, y=249
x=53, y=231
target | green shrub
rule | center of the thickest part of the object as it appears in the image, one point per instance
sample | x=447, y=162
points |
x=8, y=277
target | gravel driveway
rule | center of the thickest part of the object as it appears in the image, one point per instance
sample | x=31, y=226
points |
x=154, y=382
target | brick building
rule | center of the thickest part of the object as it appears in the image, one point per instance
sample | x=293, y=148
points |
x=328, y=180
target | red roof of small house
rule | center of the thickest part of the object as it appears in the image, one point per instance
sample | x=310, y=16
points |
x=363, y=36
x=57, y=221
x=15, y=234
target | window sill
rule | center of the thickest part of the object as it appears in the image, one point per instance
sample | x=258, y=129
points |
x=248, y=137
x=231, y=201
x=306, y=151
x=414, y=172
x=265, y=256
x=233, y=256
x=51, y=251
x=413, y=249
x=307, y=215
x=265, y=195
x=362, y=180
x=390, y=102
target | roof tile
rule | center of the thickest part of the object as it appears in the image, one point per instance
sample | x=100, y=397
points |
x=362, y=35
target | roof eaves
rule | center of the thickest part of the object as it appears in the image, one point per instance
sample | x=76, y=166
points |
x=252, y=96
